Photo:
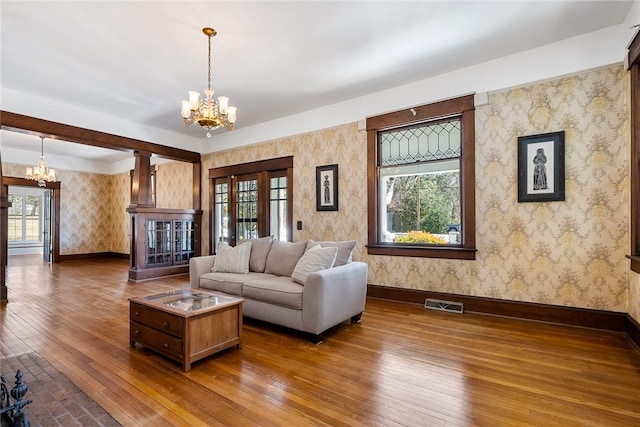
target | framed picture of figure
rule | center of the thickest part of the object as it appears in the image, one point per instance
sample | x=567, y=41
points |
x=327, y=188
x=541, y=167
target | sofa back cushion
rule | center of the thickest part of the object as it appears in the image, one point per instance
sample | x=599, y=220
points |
x=259, y=251
x=315, y=259
x=345, y=249
x=232, y=259
x=283, y=257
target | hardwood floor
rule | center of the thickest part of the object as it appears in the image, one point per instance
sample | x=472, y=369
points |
x=402, y=366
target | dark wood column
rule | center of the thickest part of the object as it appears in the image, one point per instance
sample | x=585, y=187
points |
x=141, y=185
x=4, y=229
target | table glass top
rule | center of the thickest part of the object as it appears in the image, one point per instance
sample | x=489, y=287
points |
x=188, y=299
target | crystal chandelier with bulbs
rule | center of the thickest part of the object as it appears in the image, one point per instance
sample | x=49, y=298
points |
x=41, y=172
x=208, y=112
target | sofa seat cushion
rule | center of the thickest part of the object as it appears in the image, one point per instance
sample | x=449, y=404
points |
x=282, y=291
x=230, y=283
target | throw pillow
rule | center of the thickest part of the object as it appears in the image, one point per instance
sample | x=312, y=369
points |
x=315, y=259
x=283, y=257
x=345, y=250
x=259, y=251
x=232, y=260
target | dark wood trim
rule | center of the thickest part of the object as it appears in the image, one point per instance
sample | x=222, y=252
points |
x=5, y=204
x=152, y=273
x=261, y=171
x=635, y=164
x=252, y=167
x=422, y=252
x=153, y=210
x=570, y=316
x=95, y=255
x=290, y=205
x=463, y=107
x=373, y=191
x=468, y=180
x=197, y=185
x=141, y=180
x=425, y=112
x=632, y=328
x=634, y=50
x=634, y=107
x=27, y=124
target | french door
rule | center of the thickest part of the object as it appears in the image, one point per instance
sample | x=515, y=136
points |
x=248, y=203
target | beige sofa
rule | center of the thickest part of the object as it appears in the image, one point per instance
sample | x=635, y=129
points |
x=282, y=286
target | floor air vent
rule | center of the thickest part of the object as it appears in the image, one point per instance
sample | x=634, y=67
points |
x=437, y=304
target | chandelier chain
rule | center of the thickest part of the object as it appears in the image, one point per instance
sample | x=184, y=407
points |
x=209, y=70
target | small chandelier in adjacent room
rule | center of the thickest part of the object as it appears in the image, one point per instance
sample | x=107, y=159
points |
x=208, y=113
x=41, y=172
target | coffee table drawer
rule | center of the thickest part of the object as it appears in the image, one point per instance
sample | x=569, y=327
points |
x=159, y=320
x=161, y=342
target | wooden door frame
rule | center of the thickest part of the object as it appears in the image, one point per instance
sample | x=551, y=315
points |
x=55, y=186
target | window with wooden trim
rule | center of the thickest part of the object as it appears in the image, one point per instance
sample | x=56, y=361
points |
x=25, y=216
x=421, y=181
x=251, y=200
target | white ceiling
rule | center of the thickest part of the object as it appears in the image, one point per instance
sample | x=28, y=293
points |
x=136, y=60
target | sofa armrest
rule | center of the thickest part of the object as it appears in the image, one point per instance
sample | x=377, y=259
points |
x=199, y=266
x=334, y=295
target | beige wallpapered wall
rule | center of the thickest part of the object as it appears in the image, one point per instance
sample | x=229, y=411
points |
x=120, y=228
x=567, y=253
x=174, y=185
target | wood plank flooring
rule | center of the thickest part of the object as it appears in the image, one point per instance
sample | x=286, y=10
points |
x=402, y=366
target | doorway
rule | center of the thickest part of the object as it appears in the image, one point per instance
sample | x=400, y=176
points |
x=29, y=225
x=34, y=221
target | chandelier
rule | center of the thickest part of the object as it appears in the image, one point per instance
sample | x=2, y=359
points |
x=41, y=172
x=208, y=113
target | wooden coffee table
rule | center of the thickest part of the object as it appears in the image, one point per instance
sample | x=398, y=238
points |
x=186, y=325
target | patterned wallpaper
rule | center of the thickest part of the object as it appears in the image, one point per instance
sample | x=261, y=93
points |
x=120, y=229
x=568, y=253
x=174, y=185
x=344, y=145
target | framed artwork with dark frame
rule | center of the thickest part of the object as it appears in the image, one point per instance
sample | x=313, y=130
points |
x=327, y=188
x=541, y=167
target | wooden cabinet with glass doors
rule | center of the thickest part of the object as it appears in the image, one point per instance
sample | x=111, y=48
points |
x=165, y=241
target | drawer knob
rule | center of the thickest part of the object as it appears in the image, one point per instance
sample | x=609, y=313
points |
x=137, y=313
x=166, y=324
x=166, y=345
x=137, y=332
